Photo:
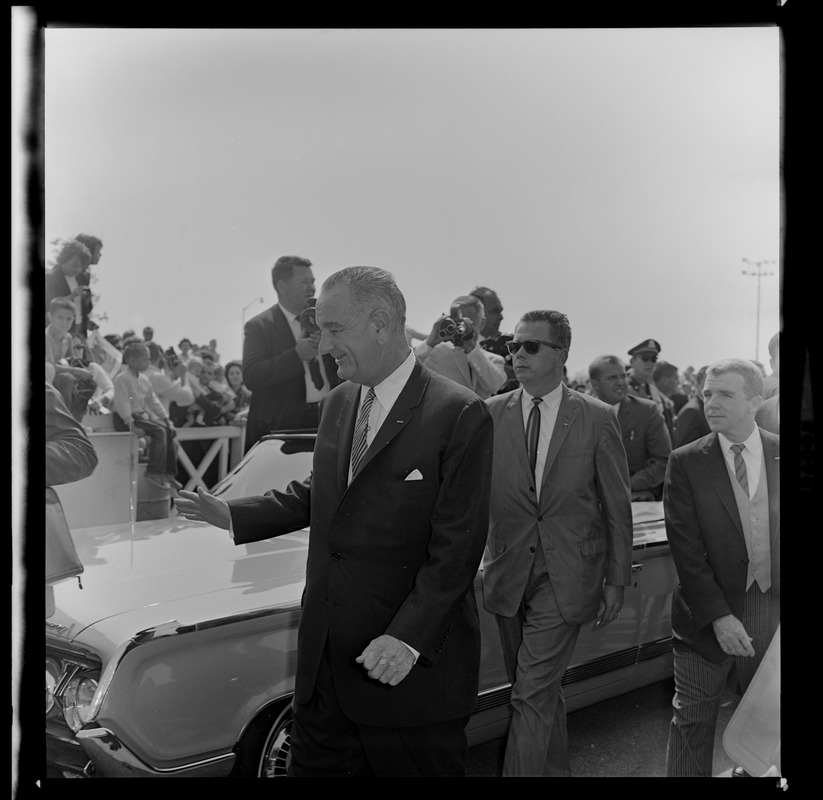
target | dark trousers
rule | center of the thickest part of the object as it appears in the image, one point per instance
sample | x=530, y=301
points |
x=699, y=684
x=326, y=743
x=162, y=457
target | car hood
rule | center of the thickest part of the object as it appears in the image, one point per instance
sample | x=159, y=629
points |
x=171, y=571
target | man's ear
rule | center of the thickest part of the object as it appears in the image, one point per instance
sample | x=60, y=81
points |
x=380, y=323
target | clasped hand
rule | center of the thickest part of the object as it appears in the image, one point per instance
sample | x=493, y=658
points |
x=387, y=660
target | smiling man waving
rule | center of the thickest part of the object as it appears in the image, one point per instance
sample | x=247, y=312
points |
x=389, y=641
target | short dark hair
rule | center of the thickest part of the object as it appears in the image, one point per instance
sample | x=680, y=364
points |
x=558, y=321
x=71, y=249
x=663, y=369
x=184, y=339
x=283, y=268
x=61, y=302
x=373, y=289
x=594, y=367
x=93, y=243
x=752, y=376
x=132, y=349
x=774, y=345
x=482, y=292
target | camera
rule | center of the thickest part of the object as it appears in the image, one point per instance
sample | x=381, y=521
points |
x=171, y=358
x=308, y=317
x=455, y=328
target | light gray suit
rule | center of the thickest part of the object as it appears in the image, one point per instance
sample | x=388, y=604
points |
x=546, y=562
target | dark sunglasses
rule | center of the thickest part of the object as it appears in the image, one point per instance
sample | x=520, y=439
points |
x=531, y=346
x=648, y=358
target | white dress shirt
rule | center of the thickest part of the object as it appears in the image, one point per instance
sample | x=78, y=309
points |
x=548, y=416
x=752, y=457
x=385, y=395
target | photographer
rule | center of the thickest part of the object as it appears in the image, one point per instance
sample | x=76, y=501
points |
x=452, y=349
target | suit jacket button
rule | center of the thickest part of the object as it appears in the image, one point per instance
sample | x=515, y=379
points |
x=531, y=550
x=540, y=518
x=335, y=556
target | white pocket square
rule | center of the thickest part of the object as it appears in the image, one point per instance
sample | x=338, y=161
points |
x=414, y=475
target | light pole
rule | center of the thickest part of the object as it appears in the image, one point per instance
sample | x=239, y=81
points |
x=246, y=308
x=758, y=273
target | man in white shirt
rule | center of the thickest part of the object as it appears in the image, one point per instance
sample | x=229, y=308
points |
x=461, y=358
x=722, y=508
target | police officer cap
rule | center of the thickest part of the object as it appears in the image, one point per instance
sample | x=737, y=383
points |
x=646, y=346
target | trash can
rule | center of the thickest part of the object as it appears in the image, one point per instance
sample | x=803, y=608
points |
x=153, y=502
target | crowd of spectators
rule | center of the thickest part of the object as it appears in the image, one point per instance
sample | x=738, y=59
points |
x=192, y=388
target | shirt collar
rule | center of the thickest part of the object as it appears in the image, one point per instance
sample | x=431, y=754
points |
x=388, y=390
x=753, y=444
x=550, y=400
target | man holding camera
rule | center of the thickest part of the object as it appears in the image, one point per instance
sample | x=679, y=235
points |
x=281, y=366
x=452, y=349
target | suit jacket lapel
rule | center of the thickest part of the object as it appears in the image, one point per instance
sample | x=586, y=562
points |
x=771, y=458
x=514, y=429
x=399, y=414
x=719, y=477
x=566, y=414
x=281, y=324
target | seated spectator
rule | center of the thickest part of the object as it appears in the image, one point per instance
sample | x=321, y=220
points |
x=115, y=340
x=643, y=429
x=691, y=421
x=186, y=354
x=667, y=378
x=62, y=279
x=169, y=383
x=70, y=376
x=148, y=334
x=465, y=362
x=213, y=350
x=137, y=407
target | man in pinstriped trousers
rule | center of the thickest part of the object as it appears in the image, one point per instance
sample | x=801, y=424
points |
x=722, y=509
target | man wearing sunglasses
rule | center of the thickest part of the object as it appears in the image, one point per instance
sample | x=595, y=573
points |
x=643, y=358
x=559, y=548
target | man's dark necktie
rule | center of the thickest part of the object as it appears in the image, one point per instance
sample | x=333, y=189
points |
x=533, y=432
x=358, y=445
x=740, y=467
x=316, y=374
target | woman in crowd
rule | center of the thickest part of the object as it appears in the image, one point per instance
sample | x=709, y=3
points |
x=234, y=377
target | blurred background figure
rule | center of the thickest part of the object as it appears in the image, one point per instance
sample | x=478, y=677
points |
x=491, y=338
x=666, y=378
x=643, y=357
x=771, y=383
x=62, y=280
x=169, y=380
x=242, y=396
x=95, y=247
x=691, y=421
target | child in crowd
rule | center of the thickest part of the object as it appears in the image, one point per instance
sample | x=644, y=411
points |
x=136, y=403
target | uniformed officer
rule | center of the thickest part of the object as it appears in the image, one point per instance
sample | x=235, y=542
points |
x=643, y=357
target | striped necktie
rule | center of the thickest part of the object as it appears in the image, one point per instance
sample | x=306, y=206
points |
x=358, y=445
x=740, y=467
x=533, y=432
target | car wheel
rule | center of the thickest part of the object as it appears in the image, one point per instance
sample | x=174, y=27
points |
x=276, y=747
x=263, y=750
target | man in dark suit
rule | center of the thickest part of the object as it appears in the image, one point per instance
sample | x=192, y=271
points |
x=281, y=366
x=722, y=510
x=560, y=535
x=691, y=420
x=644, y=433
x=389, y=642
x=642, y=358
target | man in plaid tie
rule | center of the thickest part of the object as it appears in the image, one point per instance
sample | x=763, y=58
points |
x=389, y=641
x=722, y=508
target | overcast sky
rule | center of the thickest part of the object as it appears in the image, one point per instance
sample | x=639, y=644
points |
x=619, y=176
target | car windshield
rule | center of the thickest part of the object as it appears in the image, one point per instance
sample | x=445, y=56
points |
x=272, y=463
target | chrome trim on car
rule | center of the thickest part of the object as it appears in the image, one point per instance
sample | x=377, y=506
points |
x=101, y=742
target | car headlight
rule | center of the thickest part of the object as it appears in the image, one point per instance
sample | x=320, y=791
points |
x=77, y=700
x=53, y=669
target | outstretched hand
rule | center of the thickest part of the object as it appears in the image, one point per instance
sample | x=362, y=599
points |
x=203, y=507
